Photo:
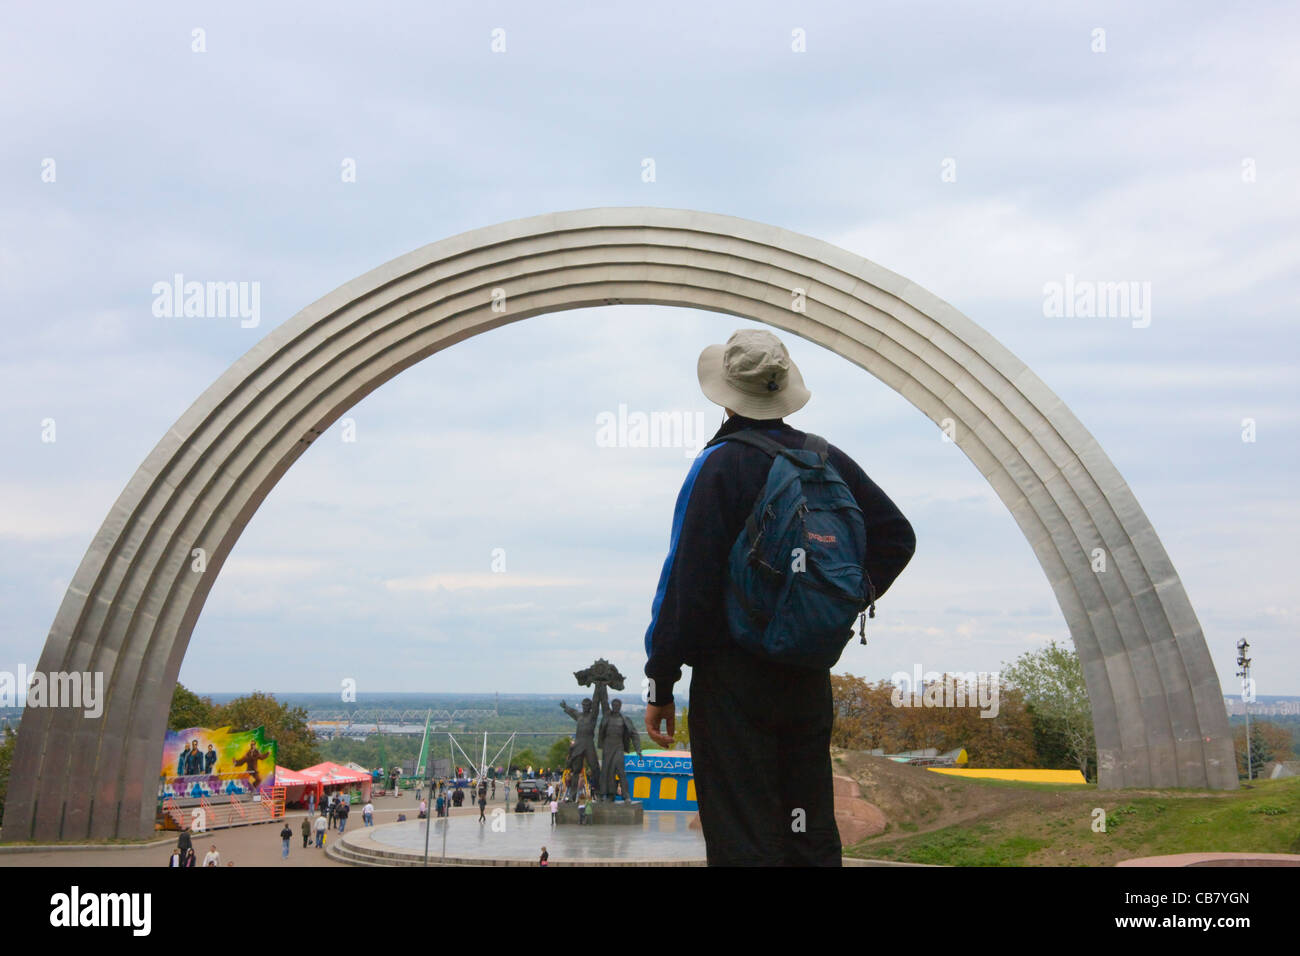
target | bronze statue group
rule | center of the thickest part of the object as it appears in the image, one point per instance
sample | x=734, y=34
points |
x=616, y=735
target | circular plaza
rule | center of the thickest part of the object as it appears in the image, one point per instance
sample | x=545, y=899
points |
x=663, y=838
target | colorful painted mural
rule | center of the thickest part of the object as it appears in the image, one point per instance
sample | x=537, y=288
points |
x=201, y=762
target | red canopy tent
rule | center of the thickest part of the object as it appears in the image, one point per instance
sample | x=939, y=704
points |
x=284, y=777
x=295, y=784
x=333, y=776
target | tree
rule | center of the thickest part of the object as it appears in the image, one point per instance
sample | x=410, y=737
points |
x=1051, y=680
x=1260, y=753
x=867, y=717
x=558, y=755
x=682, y=733
x=523, y=759
x=1268, y=742
x=296, y=745
x=6, y=760
x=189, y=709
x=396, y=750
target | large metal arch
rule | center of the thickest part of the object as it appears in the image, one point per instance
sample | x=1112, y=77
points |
x=131, y=607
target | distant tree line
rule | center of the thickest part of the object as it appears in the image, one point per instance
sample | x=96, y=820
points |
x=1044, y=720
x=1043, y=717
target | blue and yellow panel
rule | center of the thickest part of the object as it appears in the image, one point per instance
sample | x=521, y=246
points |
x=662, y=780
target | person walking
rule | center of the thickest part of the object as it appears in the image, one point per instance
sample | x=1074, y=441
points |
x=555, y=809
x=212, y=857
x=306, y=831
x=760, y=726
x=482, y=806
x=368, y=814
x=345, y=809
x=545, y=859
x=321, y=824
x=286, y=835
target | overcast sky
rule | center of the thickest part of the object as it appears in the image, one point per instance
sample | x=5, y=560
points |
x=1171, y=157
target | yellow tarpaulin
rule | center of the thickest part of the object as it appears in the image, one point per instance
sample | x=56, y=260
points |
x=1024, y=776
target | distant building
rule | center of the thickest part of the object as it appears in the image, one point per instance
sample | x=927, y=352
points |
x=929, y=757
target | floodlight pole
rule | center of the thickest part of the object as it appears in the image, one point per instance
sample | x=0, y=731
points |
x=446, y=820
x=505, y=783
x=427, y=823
x=1247, y=694
x=1250, y=764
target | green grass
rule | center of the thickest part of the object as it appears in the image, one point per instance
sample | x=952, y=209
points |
x=1264, y=819
x=979, y=845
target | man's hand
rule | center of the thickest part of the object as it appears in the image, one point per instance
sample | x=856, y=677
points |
x=654, y=715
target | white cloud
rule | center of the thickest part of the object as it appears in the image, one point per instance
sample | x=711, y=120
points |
x=481, y=582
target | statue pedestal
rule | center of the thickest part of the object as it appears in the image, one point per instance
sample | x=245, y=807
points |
x=600, y=813
x=620, y=812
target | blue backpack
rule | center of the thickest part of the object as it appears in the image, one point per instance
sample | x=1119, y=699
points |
x=796, y=574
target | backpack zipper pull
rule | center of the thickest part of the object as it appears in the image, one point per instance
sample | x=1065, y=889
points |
x=862, y=625
x=869, y=612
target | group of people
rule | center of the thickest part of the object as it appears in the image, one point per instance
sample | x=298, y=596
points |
x=333, y=815
x=183, y=853
x=546, y=773
x=446, y=797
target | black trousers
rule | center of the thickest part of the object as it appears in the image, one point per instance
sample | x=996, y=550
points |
x=760, y=747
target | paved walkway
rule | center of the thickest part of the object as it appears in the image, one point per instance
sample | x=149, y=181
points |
x=255, y=845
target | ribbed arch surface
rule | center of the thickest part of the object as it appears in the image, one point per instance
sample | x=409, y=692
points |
x=133, y=602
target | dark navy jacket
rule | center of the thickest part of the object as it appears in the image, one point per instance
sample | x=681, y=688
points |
x=688, y=614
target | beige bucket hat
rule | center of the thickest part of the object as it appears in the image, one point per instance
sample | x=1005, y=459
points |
x=752, y=375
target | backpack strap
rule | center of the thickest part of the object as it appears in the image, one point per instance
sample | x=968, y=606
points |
x=754, y=438
x=770, y=446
